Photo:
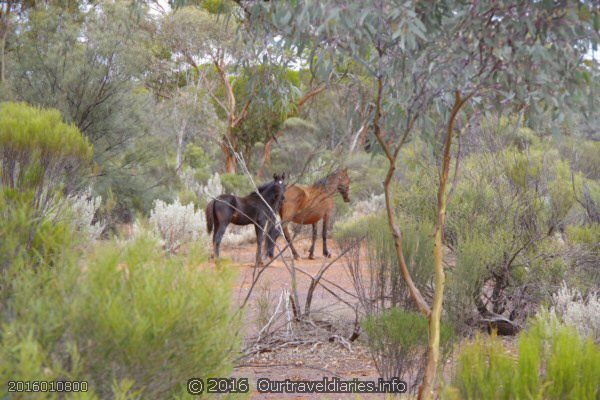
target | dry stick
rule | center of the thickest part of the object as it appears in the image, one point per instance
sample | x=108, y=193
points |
x=329, y=282
x=315, y=281
x=328, y=290
x=270, y=321
x=258, y=276
x=277, y=347
x=291, y=269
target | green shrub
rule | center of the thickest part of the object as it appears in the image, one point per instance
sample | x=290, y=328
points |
x=236, y=184
x=398, y=341
x=41, y=159
x=587, y=235
x=367, y=173
x=341, y=208
x=384, y=282
x=584, y=155
x=466, y=279
x=553, y=362
x=27, y=240
x=38, y=151
x=121, y=315
x=196, y=157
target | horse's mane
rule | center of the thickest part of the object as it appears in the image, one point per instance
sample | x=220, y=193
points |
x=264, y=186
x=269, y=192
x=325, y=180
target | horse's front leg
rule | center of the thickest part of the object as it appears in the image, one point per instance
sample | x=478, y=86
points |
x=326, y=252
x=259, y=229
x=272, y=234
x=311, y=253
x=288, y=239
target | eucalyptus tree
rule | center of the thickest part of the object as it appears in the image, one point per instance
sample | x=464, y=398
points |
x=89, y=62
x=446, y=57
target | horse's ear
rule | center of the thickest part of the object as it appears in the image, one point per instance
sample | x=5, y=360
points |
x=283, y=176
x=274, y=177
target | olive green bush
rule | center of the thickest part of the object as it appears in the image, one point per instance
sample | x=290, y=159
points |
x=28, y=240
x=39, y=152
x=367, y=172
x=584, y=155
x=552, y=362
x=510, y=204
x=196, y=158
x=122, y=316
x=382, y=285
x=236, y=184
x=41, y=160
x=397, y=340
x=500, y=221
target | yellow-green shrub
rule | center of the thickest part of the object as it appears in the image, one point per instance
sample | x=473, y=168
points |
x=552, y=362
x=384, y=278
x=397, y=340
x=27, y=240
x=121, y=314
x=236, y=184
x=41, y=158
x=38, y=150
x=584, y=234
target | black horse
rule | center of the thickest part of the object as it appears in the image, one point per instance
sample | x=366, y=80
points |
x=253, y=209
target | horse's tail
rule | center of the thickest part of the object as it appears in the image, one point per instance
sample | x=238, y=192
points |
x=210, y=216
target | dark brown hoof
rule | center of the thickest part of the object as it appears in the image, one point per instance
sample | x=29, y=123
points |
x=311, y=257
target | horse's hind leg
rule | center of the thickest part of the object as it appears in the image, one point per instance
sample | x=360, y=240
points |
x=288, y=239
x=311, y=253
x=217, y=237
x=326, y=252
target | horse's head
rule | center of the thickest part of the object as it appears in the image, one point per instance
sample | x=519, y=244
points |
x=343, y=185
x=279, y=182
x=279, y=179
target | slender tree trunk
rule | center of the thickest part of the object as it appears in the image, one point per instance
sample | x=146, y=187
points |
x=4, y=21
x=180, y=145
x=392, y=156
x=230, y=161
x=229, y=143
x=360, y=136
x=2, y=56
x=433, y=354
x=266, y=159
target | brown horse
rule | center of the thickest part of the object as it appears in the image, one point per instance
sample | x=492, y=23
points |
x=307, y=205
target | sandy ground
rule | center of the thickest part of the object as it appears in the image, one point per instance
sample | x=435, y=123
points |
x=313, y=361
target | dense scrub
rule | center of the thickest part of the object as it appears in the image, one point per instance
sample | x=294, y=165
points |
x=551, y=361
x=158, y=107
x=122, y=315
